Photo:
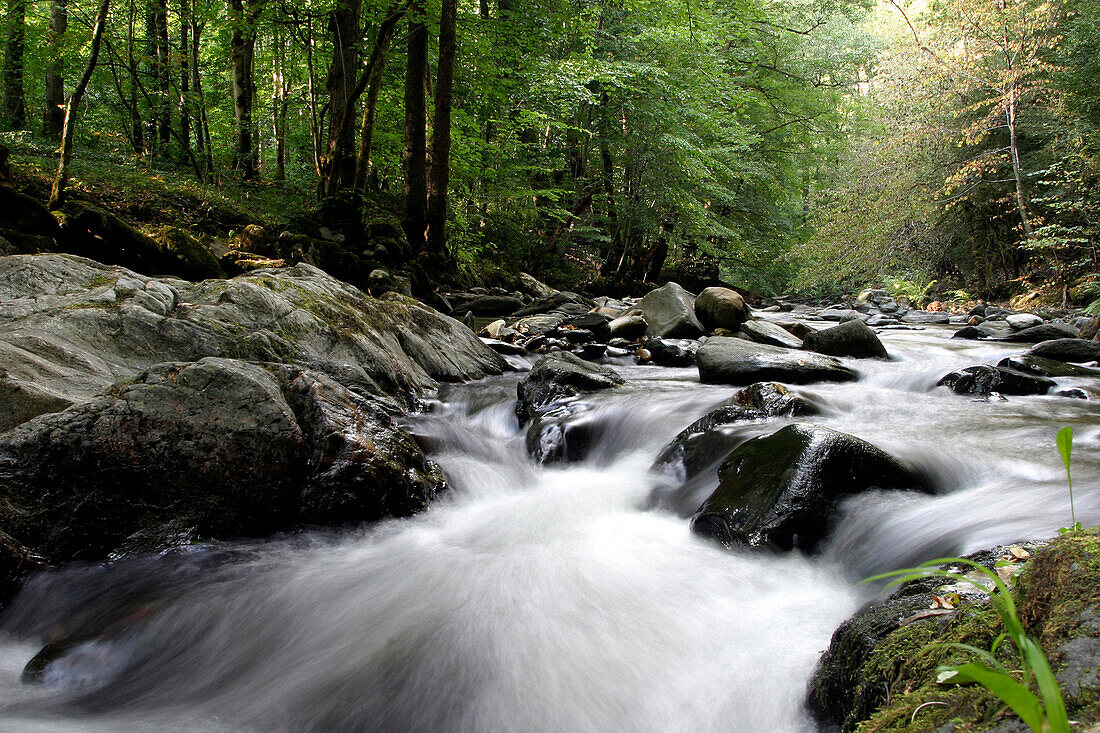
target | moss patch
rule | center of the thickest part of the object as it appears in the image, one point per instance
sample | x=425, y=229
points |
x=1058, y=600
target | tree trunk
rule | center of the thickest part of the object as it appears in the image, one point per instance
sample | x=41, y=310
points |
x=440, y=174
x=185, y=76
x=338, y=163
x=53, y=114
x=414, y=157
x=280, y=102
x=376, y=68
x=311, y=99
x=14, y=100
x=202, y=125
x=57, y=190
x=242, y=47
x=1017, y=169
x=137, y=129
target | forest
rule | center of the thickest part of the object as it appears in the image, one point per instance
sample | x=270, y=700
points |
x=946, y=149
x=624, y=366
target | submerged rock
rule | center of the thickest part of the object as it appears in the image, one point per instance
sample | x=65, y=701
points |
x=983, y=379
x=557, y=428
x=848, y=339
x=1039, y=366
x=726, y=360
x=782, y=490
x=223, y=446
x=701, y=444
x=559, y=376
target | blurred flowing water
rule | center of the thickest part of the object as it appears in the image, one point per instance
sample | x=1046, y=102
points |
x=548, y=598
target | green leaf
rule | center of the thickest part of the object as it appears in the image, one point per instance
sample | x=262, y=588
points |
x=1065, y=444
x=1022, y=700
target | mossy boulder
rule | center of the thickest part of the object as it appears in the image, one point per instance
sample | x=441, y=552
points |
x=69, y=327
x=193, y=260
x=879, y=673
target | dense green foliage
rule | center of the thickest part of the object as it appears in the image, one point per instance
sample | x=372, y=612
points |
x=978, y=160
x=806, y=143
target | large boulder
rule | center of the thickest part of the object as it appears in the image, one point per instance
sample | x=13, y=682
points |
x=670, y=312
x=70, y=327
x=882, y=667
x=560, y=376
x=782, y=490
x=721, y=308
x=559, y=429
x=223, y=447
x=984, y=380
x=853, y=338
x=726, y=360
x=1074, y=350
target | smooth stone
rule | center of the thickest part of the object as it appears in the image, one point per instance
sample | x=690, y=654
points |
x=726, y=360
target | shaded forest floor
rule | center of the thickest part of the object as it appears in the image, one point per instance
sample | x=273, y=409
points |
x=149, y=197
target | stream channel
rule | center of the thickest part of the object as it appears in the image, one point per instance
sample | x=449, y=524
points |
x=551, y=598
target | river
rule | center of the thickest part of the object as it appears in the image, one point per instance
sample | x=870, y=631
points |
x=551, y=598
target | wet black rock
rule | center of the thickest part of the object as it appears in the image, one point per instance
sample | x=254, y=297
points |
x=1040, y=333
x=725, y=360
x=671, y=353
x=1042, y=367
x=701, y=444
x=848, y=339
x=595, y=323
x=782, y=490
x=983, y=379
x=1073, y=350
x=227, y=447
x=559, y=376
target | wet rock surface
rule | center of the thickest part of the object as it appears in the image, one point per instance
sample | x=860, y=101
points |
x=781, y=490
x=984, y=380
x=225, y=447
x=725, y=360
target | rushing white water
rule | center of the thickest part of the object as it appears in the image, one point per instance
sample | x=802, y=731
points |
x=549, y=598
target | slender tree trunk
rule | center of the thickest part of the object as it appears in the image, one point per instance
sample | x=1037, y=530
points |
x=311, y=87
x=137, y=129
x=376, y=68
x=202, y=126
x=163, y=73
x=14, y=99
x=1017, y=169
x=53, y=114
x=338, y=163
x=414, y=158
x=280, y=98
x=185, y=102
x=57, y=191
x=440, y=174
x=242, y=48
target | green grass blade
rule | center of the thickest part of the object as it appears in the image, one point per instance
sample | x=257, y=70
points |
x=1022, y=700
x=1048, y=687
x=1065, y=447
